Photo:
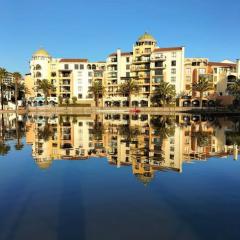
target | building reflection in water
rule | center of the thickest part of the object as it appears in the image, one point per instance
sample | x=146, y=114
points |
x=146, y=143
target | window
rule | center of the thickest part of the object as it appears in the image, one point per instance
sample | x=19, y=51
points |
x=195, y=63
x=159, y=72
x=80, y=124
x=173, y=79
x=173, y=70
x=38, y=75
x=127, y=67
x=66, y=66
x=81, y=66
x=79, y=96
x=75, y=66
x=188, y=78
x=202, y=71
x=79, y=81
x=89, y=81
x=90, y=74
x=38, y=67
x=80, y=89
x=128, y=59
x=147, y=50
x=53, y=74
x=174, y=54
x=188, y=71
x=215, y=70
x=137, y=51
x=174, y=63
x=128, y=74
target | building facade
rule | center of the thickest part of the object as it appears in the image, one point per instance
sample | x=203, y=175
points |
x=71, y=78
x=147, y=65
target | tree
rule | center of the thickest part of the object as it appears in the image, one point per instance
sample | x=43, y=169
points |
x=60, y=99
x=46, y=88
x=163, y=94
x=202, y=86
x=19, y=145
x=128, y=89
x=4, y=149
x=234, y=89
x=98, y=90
x=17, y=77
x=46, y=132
x=3, y=75
x=74, y=99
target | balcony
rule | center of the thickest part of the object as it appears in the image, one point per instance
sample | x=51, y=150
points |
x=141, y=60
x=140, y=68
x=65, y=74
x=65, y=82
x=158, y=58
x=157, y=80
x=158, y=66
x=65, y=89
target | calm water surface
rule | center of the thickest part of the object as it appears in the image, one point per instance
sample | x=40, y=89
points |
x=119, y=177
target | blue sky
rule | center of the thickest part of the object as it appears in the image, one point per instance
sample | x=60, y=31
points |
x=93, y=29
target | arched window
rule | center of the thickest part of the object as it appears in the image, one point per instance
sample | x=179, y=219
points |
x=93, y=67
x=89, y=67
x=38, y=67
x=38, y=74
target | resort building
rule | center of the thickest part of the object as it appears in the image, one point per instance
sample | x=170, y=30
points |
x=63, y=138
x=147, y=65
x=71, y=78
x=219, y=76
x=117, y=72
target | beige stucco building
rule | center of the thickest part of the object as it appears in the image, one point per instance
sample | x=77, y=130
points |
x=147, y=64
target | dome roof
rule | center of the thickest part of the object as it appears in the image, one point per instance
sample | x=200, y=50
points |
x=41, y=53
x=143, y=179
x=146, y=37
x=43, y=164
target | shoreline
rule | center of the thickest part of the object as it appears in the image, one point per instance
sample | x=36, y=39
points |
x=99, y=110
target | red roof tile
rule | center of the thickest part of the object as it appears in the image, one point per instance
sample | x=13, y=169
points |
x=122, y=54
x=168, y=49
x=75, y=60
x=220, y=64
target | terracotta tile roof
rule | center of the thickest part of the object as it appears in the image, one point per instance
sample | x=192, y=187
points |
x=74, y=60
x=220, y=64
x=167, y=49
x=122, y=54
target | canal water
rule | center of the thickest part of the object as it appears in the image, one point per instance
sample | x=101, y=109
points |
x=119, y=176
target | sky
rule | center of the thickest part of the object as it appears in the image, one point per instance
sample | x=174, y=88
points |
x=93, y=29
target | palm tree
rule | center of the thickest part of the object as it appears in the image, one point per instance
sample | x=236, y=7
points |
x=128, y=88
x=17, y=77
x=3, y=75
x=163, y=94
x=46, y=132
x=19, y=145
x=234, y=89
x=46, y=88
x=202, y=86
x=4, y=148
x=163, y=126
x=98, y=90
x=129, y=133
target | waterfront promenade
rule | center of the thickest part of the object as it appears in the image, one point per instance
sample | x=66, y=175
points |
x=48, y=110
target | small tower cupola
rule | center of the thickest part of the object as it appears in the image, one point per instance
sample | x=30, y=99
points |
x=146, y=39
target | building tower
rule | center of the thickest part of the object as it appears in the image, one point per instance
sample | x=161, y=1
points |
x=141, y=67
x=40, y=68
